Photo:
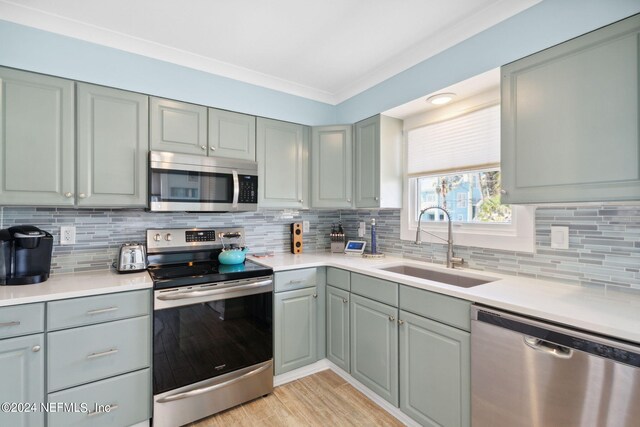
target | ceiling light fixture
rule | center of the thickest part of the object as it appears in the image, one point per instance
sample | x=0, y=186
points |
x=441, y=98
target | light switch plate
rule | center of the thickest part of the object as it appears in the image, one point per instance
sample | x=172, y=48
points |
x=559, y=237
x=305, y=226
x=362, y=229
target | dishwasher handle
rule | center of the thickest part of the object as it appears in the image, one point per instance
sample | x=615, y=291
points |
x=550, y=348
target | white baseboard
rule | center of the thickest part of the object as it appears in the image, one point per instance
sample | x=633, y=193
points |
x=325, y=364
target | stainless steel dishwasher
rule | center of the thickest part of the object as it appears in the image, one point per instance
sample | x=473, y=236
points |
x=529, y=373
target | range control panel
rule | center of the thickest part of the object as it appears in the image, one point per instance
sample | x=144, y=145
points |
x=178, y=239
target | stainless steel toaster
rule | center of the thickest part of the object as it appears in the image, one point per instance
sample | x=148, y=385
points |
x=132, y=257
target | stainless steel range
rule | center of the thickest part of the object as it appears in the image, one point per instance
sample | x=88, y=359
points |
x=212, y=326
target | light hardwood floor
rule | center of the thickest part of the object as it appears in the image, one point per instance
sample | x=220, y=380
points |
x=322, y=399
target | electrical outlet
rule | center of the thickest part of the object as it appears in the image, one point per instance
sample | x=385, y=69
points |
x=362, y=229
x=67, y=235
x=305, y=226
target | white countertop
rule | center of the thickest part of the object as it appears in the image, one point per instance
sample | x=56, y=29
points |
x=614, y=313
x=72, y=285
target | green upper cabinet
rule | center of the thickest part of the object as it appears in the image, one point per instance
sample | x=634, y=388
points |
x=570, y=120
x=331, y=167
x=113, y=143
x=178, y=127
x=22, y=373
x=36, y=134
x=283, y=164
x=378, y=163
x=434, y=372
x=374, y=346
x=232, y=135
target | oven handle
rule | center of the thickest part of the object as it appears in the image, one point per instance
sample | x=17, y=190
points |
x=203, y=390
x=198, y=294
x=236, y=188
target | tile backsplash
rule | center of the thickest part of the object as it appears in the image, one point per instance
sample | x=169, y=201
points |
x=604, y=239
x=100, y=232
x=604, y=245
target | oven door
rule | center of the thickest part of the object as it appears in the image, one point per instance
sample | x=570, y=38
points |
x=179, y=182
x=206, y=331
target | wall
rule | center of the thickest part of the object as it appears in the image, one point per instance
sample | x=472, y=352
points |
x=99, y=232
x=604, y=245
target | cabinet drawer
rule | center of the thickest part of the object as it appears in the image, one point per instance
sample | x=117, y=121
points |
x=452, y=311
x=295, y=279
x=339, y=278
x=377, y=289
x=101, y=308
x=91, y=353
x=128, y=397
x=21, y=320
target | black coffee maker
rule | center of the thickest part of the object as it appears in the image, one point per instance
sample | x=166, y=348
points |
x=25, y=255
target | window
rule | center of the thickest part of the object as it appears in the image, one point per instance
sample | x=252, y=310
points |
x=455, y=163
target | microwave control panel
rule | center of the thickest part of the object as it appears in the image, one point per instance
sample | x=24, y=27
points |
x=248, y=189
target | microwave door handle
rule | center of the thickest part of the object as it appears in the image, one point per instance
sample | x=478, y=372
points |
x=236, y=188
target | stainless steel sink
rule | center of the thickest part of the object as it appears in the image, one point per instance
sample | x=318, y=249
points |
x=439, y=276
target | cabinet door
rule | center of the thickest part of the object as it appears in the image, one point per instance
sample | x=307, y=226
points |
x=295, y=329
x=22, y=373
x=338, y=327
x=570, y=120
x=367, y=163
x=374, y=346
x=178, y=127
x=434, y=372
x=232, y=135
x=113, y=142
x=36, y=139
x=331, y=167
x=283, y=159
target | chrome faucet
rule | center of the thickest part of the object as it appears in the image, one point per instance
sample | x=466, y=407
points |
x=451, y=260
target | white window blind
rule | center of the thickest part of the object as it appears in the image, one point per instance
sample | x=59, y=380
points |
x=464, y=142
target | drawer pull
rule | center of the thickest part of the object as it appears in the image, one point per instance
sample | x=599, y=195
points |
x=103, y=353
x=10, y=324
x=101, y=310
x=112, y=407
x=295, y=282
x=36, y=348
x=391, y=318
x=344, y=300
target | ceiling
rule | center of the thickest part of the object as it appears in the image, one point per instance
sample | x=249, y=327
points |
x=325, y=50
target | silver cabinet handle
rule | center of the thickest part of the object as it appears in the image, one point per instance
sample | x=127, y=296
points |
x=400, y=322
x=14, y=323
x=315, y=295
x=68, y=195
x=82, y=195
x=112, y=407
x=212, y=148
x=295, y=282
x=301, y=201
x=103, y=353
x=503, y=191
x=36, y=348
x=376, y=198
x=348, y=200
x=204, y=147
x=391, y=318
x=344, y=300
x=101, y=310
x=203, y=390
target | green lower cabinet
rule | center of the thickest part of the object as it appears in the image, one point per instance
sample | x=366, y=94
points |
x=374, y=346
x=120, y=401
x=22, y=379
x=295, y=330
x=338, y=327
x=434, y=372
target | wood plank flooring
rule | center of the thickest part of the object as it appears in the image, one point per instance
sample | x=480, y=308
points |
x=321, y=399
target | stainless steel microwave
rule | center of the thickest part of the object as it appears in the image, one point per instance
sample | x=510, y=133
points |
x=183, y=182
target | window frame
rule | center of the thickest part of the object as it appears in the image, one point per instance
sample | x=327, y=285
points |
x=518, y=236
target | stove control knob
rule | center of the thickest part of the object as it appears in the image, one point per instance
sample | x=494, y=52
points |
x=157, y=237
x=168, y=237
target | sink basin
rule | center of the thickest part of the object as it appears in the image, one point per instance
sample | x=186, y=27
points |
x=439, y=276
